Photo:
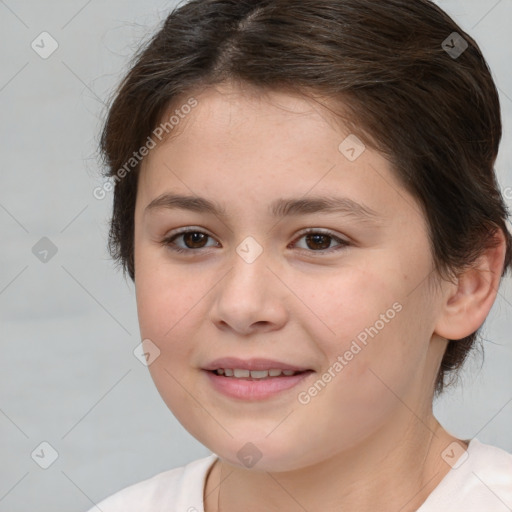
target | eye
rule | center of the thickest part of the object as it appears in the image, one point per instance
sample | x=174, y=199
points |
x=192, y=238
x=320, y=241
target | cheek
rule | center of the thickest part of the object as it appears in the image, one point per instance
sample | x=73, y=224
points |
x=165, y=294
x=349, y=301
x=357, y=392
x=377, y=337
x=166, y=319
x=165, y=306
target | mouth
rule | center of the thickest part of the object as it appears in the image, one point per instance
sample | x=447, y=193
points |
x=240, y=373
x=255, y=379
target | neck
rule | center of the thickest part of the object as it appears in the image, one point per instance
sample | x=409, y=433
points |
x=393, y=470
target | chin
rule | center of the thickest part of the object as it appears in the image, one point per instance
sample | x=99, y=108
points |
x=262, y=455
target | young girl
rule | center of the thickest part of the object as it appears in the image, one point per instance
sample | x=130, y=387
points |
x=305, y=199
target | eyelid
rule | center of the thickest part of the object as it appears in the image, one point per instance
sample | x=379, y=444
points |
x=187, y=229
x=322, y=231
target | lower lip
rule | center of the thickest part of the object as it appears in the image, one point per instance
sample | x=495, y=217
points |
x=256, y=389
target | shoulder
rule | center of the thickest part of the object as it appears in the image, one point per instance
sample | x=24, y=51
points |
x=480, y=480
x=487, y=452
x=492, y=467
x=179, y=489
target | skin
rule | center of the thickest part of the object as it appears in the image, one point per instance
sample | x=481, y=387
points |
x=372, y=426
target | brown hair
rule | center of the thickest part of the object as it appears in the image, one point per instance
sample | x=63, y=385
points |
x=433, y=113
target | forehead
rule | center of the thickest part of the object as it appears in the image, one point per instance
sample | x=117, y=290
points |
x=247, y=145
x=243, y=120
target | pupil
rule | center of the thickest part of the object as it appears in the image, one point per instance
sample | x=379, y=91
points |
x=191, y=239
x=317, y=239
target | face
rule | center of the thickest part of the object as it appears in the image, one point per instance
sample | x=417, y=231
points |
x=278, y=280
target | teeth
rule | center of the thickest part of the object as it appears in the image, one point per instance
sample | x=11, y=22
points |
x=253, y=374
x=259, y=374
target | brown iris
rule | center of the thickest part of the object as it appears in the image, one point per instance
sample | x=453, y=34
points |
x=319, y=241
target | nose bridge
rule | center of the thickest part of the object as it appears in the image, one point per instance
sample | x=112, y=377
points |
x=249, y=270
x=247, y=294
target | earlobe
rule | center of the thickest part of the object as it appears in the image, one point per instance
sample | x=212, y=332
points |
x=468, y=302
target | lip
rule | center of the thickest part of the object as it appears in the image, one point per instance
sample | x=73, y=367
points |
x=252, y=390
x=252, y=364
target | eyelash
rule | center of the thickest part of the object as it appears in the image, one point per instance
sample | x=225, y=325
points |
x=169, y=241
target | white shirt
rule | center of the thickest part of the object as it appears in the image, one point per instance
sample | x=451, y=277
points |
x=480, y=481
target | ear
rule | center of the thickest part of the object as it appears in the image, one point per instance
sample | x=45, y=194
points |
x=469, y=300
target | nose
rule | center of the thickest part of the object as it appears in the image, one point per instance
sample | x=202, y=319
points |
x=250, y=298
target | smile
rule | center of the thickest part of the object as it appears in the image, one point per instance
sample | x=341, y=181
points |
x=252, y=385
x=239, y=373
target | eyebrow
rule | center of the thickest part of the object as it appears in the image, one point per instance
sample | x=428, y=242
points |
x=278, y=209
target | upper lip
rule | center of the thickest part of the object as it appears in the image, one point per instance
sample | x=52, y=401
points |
x=252, y=364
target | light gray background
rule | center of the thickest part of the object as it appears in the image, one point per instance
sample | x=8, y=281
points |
x=68, y=375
